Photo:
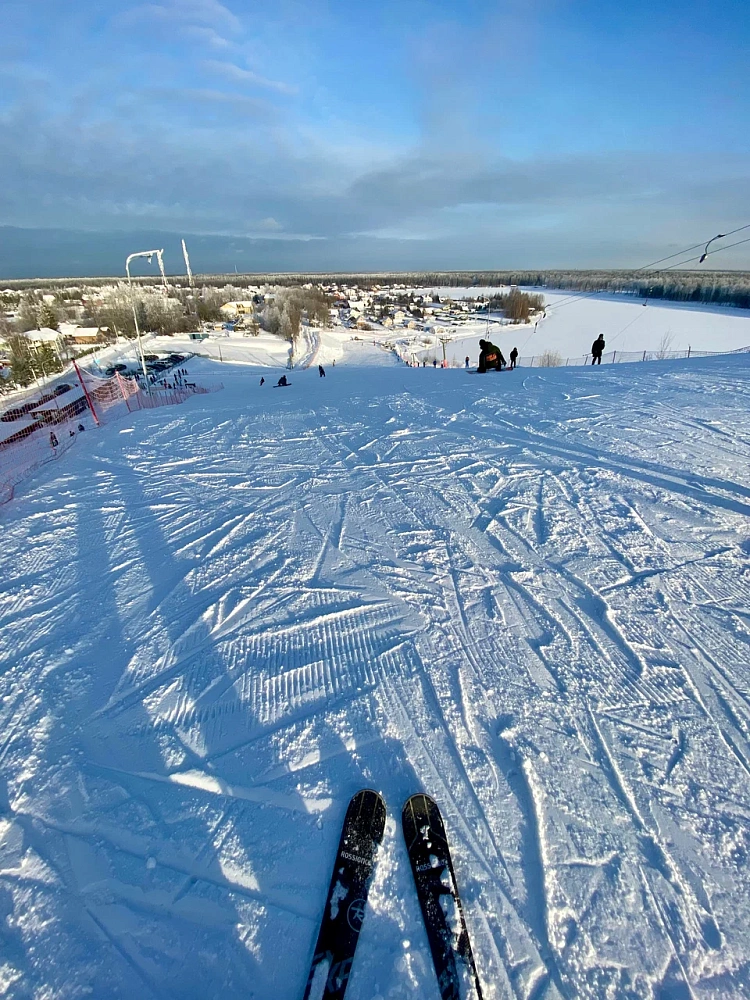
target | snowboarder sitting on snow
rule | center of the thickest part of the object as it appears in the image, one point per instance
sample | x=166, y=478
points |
x=513, y=357
x=490, y=357
x=597, y=349
x=282, y=381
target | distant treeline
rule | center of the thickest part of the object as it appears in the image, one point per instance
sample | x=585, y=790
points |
x=730, y=288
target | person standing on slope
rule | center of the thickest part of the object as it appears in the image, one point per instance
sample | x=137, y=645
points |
x=321, y=371
x=513, y=357
x=597, y=349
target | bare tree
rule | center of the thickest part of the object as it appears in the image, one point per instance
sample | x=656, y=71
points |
x=26, y=317
x=549, y=359
x=665, y=344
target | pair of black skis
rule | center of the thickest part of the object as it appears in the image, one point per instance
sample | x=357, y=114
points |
x=437, y=891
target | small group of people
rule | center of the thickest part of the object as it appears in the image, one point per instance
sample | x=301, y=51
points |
x=177, y=379
x=491, y=357
x=53, y=440
x=283, y=380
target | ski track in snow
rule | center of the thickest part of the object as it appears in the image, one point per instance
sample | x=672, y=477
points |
x=527, y=595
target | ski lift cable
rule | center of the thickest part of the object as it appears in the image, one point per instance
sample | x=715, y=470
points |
x=627, y=326
x=703, y=256
x=708, y=253
x=680, y=263
x=719, y=236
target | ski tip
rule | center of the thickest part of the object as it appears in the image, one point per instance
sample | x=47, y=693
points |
x=368, y=801
x=419, y=809
x=421, y=801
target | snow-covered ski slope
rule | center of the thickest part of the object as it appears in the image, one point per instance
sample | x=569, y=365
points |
x=526, y=593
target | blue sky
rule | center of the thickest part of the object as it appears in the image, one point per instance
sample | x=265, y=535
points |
x=398, y=132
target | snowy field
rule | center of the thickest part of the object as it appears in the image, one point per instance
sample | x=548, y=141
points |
x=527, y=594
x=574, y=320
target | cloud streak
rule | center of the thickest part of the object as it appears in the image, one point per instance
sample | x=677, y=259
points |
x=236, y=74
x=202, y=13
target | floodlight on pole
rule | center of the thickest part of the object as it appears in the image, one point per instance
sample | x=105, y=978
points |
x=705, y=249
x=150, y=255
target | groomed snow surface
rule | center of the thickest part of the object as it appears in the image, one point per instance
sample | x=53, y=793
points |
x=525, y=593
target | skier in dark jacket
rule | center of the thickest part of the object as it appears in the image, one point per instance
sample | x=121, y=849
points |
x=262, y=380
x=53, y=439
x=490, y=357
x=597, y=349
x=513, y=357
x=321, y=371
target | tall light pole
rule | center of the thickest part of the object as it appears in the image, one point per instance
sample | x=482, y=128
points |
x=444, y=339
x=160, y=258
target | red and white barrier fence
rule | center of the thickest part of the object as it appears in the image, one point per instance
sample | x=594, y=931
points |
x=43, y=425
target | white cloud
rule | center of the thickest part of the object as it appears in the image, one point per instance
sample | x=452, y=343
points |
x=208, y=37
x=184, y=13
x=238, y=75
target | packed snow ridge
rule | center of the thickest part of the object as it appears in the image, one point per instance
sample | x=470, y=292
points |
x=526, y=593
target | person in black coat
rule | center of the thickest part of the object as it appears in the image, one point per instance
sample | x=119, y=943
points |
x=513, y=357
x=597, y=349
x=490, y=357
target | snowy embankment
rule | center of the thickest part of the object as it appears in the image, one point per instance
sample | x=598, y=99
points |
x=527, y=594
